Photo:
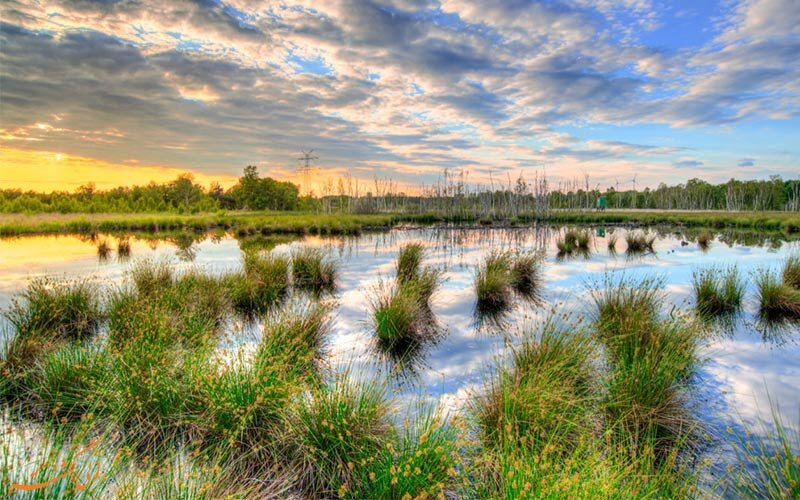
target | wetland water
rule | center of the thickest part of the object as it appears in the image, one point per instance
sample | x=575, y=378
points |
x=746, y=363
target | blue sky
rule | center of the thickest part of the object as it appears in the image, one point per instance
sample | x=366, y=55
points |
x=401, y=90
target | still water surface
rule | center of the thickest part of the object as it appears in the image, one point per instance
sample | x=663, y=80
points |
x=746, y=364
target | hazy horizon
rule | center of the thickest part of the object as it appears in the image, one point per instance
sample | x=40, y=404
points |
x=124, y=92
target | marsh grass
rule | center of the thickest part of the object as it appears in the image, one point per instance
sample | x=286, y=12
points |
x=791, y=271
x=704, y=240
x=525, y=273
x=778, y=301
x=312, y=269
x=768, y=461
x=103, y=250
x=421, y=459
x=574, y=241
x=401, y=319
x=493, y=282
x=718, y=291
x=123, y=248
x=409, y=261
x=639, y=242
x=263, y=284
x=65, y=382
x=341, y=425
x=544, y=399
x=650, y=360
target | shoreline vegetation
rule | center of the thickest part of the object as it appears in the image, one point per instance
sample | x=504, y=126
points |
x=246, y=223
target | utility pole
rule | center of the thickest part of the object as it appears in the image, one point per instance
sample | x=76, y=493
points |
x=305, y=167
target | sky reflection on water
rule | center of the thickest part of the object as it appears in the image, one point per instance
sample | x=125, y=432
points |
x=744, y=364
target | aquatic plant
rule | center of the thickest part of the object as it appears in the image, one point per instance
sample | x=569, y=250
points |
x=612, y=243
x=59, y=310
x=777, y=300
x=526, y=274
x=123, y=248
x=639, y=242
x=339, y=426
x=65, y=383
x=650, y=360
x=103, y=250
x=409, y=261
x=544, y=398
x=768, y=461
x=400, y=316
x=493, y=282
x=574, y=240
x=791, y=271
x=313, y=269
x=421, y=459
x=704, y=240
x=263, y=284
x=718, y=291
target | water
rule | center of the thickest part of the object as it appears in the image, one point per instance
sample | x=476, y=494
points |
x=746, y=364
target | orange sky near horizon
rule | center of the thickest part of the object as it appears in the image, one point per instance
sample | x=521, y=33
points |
x=46, y=171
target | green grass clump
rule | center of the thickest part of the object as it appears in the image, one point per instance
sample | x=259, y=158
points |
x=650, y=360
x=340, y=426
x=768, y=462
x=420, y=460
x=189, y=309
x=574, y=240
x=493, y=282
x=791, y=271
x=718, y=291
x=58, y=310
x=778, y=301
x=526, y=274
x=103, y=250
x=313, y=270
x=123, y=248
x=544, y=399
x=704, y=240
x=150, y=390
x=263, y=284
x=400, y=316
x=66, y=382
x=639, y=242
x=409, y=261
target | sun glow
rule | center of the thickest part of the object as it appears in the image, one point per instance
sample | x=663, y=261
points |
x=53, y=171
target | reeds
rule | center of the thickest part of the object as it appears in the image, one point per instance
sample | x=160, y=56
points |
x=103, y=250
x=263, y=283
x=612, y=243
x=342, y=425
x=650, y=360
x=778, y=301
x=791, y=271
x=638, y=242
x=704, y=240
x=123, y=248
x=313, y=270
x=574, y=241
x=503, y=273
x=718, y=291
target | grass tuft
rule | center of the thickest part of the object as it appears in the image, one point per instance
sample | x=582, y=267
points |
x=313, y=270
x=778, y=301
x=791, y=271
x=704, y=240
x=409, y=261
x=574, y=241
x=718, y=291
x=262, y=285
x=341, y=425
x=639, y=242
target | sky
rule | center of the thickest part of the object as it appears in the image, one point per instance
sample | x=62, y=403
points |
x=122, y=92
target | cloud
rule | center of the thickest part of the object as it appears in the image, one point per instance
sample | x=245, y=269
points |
x=687, y=164
x=746, y=162
x=486, y=86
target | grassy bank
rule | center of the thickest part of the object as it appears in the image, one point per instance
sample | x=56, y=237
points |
x=248, y=223
x=787, y=222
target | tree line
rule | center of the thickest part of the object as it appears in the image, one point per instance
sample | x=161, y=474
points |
x=452, y=196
